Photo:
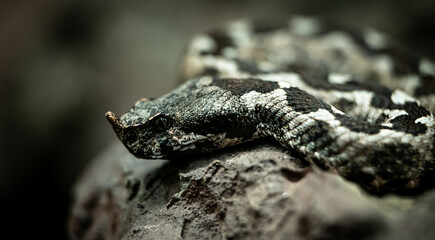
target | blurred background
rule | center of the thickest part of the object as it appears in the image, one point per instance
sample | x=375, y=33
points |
x=64, y=63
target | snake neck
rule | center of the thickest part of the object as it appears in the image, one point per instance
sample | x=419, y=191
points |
x=383, y=159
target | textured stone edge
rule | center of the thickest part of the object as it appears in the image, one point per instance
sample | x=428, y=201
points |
x=252, y=191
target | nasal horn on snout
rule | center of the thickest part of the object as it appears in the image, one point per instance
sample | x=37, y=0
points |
x=114, y=121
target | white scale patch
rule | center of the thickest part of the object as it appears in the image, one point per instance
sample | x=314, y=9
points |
x=409, y=83
x=400, y=97
x=301, y=122
x=324, y=115
x=362, y=98
x=221, y=64
x=240, y=31
x=383, y=63
x=230, y=52
x=251, y=99
x=428, y=121
x=204, y=81
x=427, y=67
x=304, y=26
x=338, y=78
x=392, y=114
x=201, y=43
x=285, y=80
x=340, y=40
x=375, y=39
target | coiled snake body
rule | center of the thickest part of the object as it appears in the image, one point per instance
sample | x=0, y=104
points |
x=316, y=90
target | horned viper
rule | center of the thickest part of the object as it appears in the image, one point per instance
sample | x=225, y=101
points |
x=352, y=102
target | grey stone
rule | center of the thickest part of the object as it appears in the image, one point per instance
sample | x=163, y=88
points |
x=253, y=191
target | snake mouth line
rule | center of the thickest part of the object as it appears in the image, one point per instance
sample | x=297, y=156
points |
x=193, y=139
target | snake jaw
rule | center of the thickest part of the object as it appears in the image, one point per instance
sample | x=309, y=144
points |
x=182, y=141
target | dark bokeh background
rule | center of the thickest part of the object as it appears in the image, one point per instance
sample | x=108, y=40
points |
x=64, y=63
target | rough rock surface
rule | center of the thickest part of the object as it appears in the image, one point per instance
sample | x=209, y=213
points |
x=253, y=191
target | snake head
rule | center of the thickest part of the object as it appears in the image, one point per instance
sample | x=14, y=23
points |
x=161, y=136
x=149, y=138
x=188, y=120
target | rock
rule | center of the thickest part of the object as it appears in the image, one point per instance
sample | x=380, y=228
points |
x=253, y=191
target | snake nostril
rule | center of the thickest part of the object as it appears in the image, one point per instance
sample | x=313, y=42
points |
x=130, y=137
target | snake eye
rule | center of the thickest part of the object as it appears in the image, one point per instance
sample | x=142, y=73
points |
x=160, y=123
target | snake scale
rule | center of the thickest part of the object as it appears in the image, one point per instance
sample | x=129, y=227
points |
x=351, y=102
